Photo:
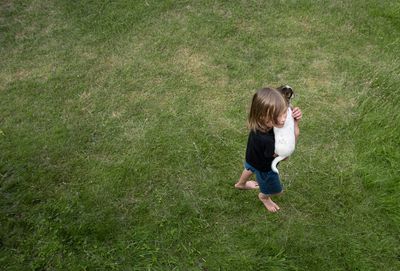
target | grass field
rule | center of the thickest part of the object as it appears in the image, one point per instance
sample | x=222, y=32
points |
x=122, y=133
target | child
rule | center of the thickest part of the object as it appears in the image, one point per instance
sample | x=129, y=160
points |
x=268, y=110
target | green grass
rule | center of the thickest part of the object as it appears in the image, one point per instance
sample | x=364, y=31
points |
x=122, y=132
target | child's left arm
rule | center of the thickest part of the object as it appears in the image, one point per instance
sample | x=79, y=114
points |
x=297, y=115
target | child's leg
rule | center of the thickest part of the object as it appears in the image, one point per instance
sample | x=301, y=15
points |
x=244, y=182
x=269, y=185
x=268, y=203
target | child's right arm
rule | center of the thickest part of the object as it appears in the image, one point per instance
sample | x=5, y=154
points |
x=297, y=115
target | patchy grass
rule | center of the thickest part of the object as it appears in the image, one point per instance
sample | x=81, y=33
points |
x=122, y=132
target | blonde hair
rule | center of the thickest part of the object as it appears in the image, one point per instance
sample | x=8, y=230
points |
x=267, y=105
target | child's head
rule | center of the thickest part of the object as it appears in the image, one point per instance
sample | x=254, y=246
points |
x=267, y=108
x=287, y=92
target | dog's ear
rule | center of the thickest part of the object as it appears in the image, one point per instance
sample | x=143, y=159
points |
x=287, y=91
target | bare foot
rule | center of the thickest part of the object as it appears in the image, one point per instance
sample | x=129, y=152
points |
x=247, y=185
x=268, y=203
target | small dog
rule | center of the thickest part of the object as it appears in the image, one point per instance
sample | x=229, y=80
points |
x=285, y=141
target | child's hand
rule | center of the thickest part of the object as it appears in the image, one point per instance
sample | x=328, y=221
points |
x=296, y=113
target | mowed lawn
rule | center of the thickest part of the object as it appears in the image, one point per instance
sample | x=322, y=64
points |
x=123, y=131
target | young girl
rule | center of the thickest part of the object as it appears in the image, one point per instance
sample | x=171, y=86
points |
x=268, y=110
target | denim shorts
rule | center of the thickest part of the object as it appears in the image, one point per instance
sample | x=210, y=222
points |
x=268, y=182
